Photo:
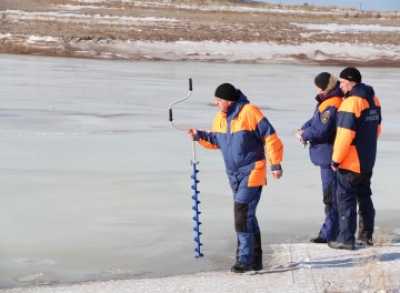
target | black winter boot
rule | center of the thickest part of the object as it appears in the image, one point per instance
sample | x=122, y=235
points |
x=258, y=258
x=365, y=239
x=240, y=268
x=318, y=239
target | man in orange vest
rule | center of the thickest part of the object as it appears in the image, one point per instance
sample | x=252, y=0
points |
x=246, y=138
x=354, y=153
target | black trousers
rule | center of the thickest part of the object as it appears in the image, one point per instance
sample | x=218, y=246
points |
x=353, y=189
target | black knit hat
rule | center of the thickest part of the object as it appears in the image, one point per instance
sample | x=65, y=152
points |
x=226, y=91
x=351, y=74
x=322, y=80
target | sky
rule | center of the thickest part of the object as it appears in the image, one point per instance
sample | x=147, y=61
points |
x=365, y=4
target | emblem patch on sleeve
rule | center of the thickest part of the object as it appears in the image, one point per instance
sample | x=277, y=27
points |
x=325, y=117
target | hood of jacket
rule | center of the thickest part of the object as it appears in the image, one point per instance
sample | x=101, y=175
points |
x=362, y=90
x=335, y=92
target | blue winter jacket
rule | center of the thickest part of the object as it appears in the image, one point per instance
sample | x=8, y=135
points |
x=320, y=130
x=244, y=135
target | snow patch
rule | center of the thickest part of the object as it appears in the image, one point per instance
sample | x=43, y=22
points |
x=251, y=52
x=69, y=17
x=5, y=36
x=35, y=39
x=347, y=28
x=257, y=52
x=216, y=7
x=78, y=7
x=91, y=1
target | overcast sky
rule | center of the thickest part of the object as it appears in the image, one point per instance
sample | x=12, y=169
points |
x=365, y=4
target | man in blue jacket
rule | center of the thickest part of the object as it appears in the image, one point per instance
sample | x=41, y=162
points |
x=320, y=132
x=247, y=141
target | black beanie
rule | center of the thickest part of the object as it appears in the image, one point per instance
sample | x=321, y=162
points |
x=322, y=80
x=351, y=74
x=226, y=91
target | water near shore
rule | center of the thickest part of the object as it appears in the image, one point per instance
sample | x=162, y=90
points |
x=95, y=183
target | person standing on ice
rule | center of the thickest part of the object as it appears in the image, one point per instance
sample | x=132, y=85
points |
x=354, y=154
x=245, y=137
x=320, y=133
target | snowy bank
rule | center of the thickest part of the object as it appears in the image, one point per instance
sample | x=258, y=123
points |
x=201, y=31
x=221, y=7
x=293, y=268
x=77, y=18
x=249, y=52
x=347, y=28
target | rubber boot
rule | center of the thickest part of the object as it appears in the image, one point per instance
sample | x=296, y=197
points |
x=258, y=258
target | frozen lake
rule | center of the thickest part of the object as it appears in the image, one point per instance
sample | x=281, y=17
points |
x=95, y=184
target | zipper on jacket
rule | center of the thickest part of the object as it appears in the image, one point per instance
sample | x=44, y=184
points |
x=229, y=139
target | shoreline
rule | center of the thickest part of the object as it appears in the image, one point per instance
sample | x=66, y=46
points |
x=293, y=268
x=323, y=54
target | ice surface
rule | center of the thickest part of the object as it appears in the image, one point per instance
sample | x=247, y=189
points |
x=95, y=184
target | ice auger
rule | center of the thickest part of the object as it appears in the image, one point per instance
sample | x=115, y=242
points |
x=195, y=181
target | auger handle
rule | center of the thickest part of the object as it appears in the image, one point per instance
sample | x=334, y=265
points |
x=171, y=115
x=190, y=85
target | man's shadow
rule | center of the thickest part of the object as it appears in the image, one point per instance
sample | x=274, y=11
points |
x=351, y=261
x=338, y=262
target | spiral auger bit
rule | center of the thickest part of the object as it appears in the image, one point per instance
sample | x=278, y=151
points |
x=195, y=181
x=196, y=211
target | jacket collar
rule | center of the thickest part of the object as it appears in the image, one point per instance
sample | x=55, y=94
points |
x=362, y=90
x=235, y=107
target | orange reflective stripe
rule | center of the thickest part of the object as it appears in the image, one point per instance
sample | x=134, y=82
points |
x=258, y=175
x=354, y=105
x=352, y=161
x=248, y=119
x=274, y=149
x=335, y=101
x=343, y=140
x=207, y=144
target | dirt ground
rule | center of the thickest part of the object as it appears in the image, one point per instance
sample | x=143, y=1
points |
x=192, y=20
